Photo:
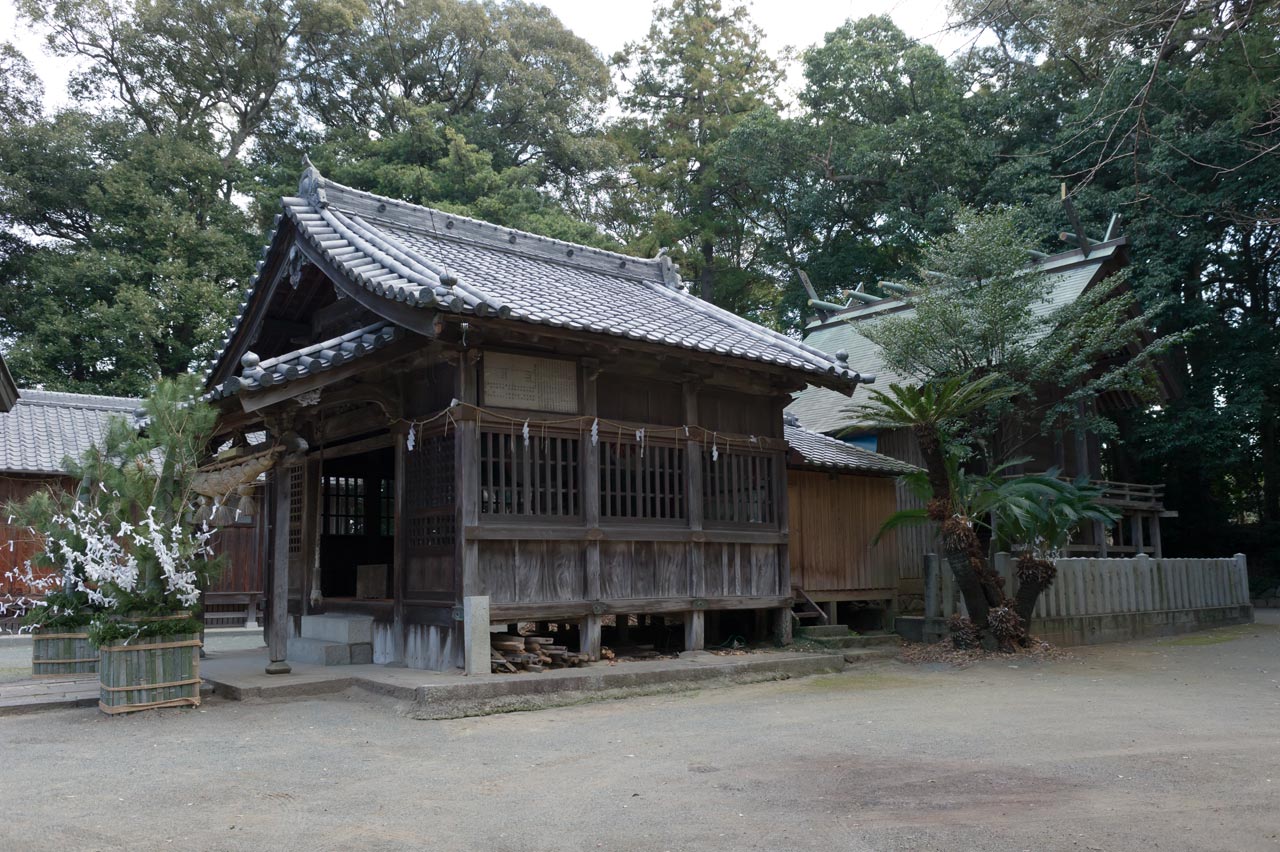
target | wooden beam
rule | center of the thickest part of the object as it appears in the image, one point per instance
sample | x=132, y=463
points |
x=574, y=610
x=418, y=320
x=276, y=394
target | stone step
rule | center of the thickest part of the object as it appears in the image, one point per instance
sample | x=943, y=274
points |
x=338, y=627
x=854, y=641
x=815, y=631
x=319, y=652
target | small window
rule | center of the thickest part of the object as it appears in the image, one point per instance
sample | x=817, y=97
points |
x=344, y=505
x=539, y=477
x=738, y=488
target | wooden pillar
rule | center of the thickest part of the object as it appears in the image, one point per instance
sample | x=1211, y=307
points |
x=590, y=484
x=695, y=630
x=1135, y=525
x=1157, y=549
x=278, y=634
x=693, y=492
x=400, y=532
x=833, y=611
x=1100, y=531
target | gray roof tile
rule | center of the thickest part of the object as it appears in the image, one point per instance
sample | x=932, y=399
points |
x=45, y=427
x=818, y=450
x=432, y=259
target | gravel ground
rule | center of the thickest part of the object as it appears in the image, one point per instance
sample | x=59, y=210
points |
x=1169, y=744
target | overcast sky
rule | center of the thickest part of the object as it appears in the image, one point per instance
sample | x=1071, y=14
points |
x=610, y=25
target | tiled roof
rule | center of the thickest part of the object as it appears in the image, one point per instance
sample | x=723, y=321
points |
x=45, y=427
x=1070, y=273
x=255, y=374
x=818, y=450
x=431, y=259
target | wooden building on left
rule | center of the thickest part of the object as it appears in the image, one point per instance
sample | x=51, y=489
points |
x=39, y=430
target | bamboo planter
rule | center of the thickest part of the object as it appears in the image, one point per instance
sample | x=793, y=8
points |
x=63, y=655
x=150, y=672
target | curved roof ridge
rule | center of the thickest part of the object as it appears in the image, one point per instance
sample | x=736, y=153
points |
x=328, y=184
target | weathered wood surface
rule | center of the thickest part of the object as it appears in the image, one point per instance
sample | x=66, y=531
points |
x=1098, y=586
x=834, y=519
x=911, y=543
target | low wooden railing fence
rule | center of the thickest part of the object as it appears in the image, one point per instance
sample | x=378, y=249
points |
x=1097, y=586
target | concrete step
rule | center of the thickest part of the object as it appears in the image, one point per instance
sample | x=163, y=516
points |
x=319, y=652
x=338, y=627
x=815, y=631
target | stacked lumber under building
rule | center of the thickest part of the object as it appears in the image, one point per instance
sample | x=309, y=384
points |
x=510, y=654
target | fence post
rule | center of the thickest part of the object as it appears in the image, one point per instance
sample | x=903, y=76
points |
x=1242, y=578
x=475, y=632
x=932, y=592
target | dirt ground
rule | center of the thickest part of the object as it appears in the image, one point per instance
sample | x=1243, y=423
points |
x=1171, y=744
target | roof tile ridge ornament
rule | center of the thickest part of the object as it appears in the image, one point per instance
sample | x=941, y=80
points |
x=311, y=185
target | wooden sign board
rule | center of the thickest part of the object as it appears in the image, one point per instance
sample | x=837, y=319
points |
x=533, y=384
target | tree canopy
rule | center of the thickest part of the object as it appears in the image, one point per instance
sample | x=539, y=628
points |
x=129, y=220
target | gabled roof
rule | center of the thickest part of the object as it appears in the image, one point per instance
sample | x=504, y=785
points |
x=396, y=257
x=1069, y=275
x=812, y=449
x=8, y=390
x=44, y=428
x=308, y=361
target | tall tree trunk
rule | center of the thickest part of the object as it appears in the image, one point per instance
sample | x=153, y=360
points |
x=707, y=277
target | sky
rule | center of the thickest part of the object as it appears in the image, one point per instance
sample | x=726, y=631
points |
x=610, y=25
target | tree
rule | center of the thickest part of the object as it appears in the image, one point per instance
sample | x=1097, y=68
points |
x=699, y=73
x=980, y=309
x=934, y=412
x=123, y=257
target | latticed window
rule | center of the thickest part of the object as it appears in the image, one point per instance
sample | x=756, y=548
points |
x=539, y=477
x=429, y=495
x=641, y=482
x=344, y=509
x=294, y=473
x=387, y=507
x=738, y=488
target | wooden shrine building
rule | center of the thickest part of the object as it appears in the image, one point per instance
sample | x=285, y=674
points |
x=455, y=410
x=840, y=495
x=1070, y=274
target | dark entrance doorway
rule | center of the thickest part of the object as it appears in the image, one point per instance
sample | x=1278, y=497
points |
x=357, y=526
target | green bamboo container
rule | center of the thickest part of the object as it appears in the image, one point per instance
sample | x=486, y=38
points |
x=63, y=655
x=150, y=672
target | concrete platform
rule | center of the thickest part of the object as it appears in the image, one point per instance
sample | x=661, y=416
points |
x=431, y=695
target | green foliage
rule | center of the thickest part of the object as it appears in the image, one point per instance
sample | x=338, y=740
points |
x=106, y=630
x=979, y=309
x=696, y=76
x=60, y=612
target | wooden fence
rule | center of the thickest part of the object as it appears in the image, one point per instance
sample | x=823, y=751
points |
x=1097, y=586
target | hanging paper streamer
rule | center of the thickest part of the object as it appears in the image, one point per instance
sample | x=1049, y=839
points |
x=410, y=440
x=715, y=451
x=595, y=431
x=640, y=441
x=525, y=433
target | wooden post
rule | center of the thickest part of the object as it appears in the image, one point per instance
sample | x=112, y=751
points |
x=695, y=631
x=400, y=530
x=589, y=637
x=278, y=635
x=1157, y=550
x=1101, y=532
x=590, y=484
x=1135, y=526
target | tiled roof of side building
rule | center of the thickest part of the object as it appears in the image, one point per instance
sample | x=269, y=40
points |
x=427, y=258
x=45, y=427
x=1070, y=274
x=820, y=451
